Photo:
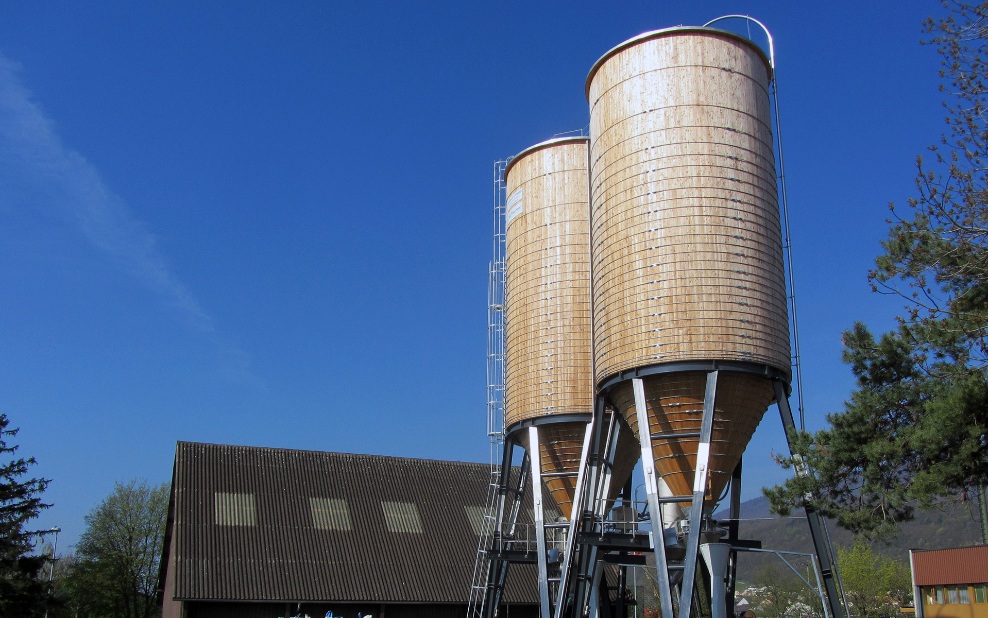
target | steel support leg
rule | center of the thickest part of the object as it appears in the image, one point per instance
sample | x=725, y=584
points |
x=821, y=540
x=622, y=584
x=588, y=554
x=657, y=529
x=536, y=461
x=734, y=531
x=507, y=519
x=606, y=474
x=578, y=507
x=593, y=603
x=595, y=505
x=699, y=492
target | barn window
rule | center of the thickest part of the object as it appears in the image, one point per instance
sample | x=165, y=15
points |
x=235, y=509
x=402, y=517
x=475, y=515
x=330, y=514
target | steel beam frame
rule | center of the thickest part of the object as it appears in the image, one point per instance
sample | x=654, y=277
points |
x=593, y=507
x=699, y=493
x=507, y=511
x=657, y=529
x=579, y=584
x=578, y=592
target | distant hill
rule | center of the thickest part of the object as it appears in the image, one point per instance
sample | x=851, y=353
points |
x=953, y=525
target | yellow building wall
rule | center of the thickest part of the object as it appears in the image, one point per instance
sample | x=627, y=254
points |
x=936, y=602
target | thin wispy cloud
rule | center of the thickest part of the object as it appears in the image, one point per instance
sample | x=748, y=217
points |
x=35, y=162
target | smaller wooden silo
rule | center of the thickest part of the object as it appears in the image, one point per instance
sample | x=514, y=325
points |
x=548, y=365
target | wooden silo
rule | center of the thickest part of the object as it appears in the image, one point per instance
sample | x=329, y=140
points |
x=548, y=371
x=687, y=267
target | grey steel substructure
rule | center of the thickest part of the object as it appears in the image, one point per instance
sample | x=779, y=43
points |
x=592, y=512
x=567, y=557
x=506, y=521
x=505, y=526
x=821, y=540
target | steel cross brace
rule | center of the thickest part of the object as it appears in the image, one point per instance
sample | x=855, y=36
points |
x=596, y=505
x=578, y=498
x=699, y=492
x=657, y=529
x=593, y=487
x=498, y=567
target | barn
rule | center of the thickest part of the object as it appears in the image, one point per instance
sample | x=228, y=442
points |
x=270, y=533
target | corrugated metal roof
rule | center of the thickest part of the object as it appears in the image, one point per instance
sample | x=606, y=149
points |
x=263, y=524
x=960, y=565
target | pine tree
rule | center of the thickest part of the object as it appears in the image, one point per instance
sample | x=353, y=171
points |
x=915, y=430
x=22, y=592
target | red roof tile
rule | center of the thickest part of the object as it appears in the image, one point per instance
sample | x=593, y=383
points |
x=961, y=565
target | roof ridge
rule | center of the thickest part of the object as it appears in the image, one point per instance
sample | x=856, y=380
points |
x=184, y=443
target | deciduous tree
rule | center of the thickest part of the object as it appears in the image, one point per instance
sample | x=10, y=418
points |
x=876, y=586
x=779, y=590
x=915, y=430
x=115, y=572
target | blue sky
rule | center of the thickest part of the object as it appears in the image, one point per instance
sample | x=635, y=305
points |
x=269, y=223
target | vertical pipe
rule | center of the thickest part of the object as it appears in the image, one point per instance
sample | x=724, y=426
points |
x=716, y=556
x=734, y=530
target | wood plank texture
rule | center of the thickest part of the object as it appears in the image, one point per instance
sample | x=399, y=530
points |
x=686, y=238
x=547, y=285
x=547, y=305
x=675, y=405
x=685, y=222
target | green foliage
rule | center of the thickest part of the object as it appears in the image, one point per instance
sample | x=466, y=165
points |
x=115, y=571
x=915, y=430
x=875, y=586
x=781, y=593
x=22, y=592
x=60, y=604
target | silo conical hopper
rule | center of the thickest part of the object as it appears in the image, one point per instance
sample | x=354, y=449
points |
x=686, y=241
x=548, y=371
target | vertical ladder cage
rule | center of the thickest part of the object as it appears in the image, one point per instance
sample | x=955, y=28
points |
x=495, y=396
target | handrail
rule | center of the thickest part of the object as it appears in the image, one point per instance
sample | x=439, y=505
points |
x=771, y=42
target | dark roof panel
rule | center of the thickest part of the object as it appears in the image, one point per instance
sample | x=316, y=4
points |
x=275, y=524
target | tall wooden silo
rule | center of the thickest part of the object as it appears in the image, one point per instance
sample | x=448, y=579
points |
x=686, y=241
